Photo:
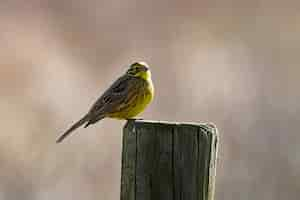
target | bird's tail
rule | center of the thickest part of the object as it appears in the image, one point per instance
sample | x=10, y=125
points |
x=72, y=128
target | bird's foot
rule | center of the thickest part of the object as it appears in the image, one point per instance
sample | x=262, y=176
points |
x=134, y=119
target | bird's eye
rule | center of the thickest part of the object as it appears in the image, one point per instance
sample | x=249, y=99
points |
x=132, y=70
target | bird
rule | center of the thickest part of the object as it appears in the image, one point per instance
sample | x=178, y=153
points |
x=127, y=97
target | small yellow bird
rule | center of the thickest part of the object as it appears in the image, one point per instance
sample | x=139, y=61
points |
x=124, y=99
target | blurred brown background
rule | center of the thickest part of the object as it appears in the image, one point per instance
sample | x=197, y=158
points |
x=234, y=63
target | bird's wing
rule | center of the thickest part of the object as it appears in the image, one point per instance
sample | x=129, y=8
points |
x=115, y=97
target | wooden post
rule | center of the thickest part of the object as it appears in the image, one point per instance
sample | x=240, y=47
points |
x=168, y=161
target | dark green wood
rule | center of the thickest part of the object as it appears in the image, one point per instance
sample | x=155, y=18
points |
x=128, y=177
x=186, y=154
x=154, y=159
x=168, y=161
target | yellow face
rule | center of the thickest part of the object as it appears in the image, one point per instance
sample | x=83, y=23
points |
x=139, y=69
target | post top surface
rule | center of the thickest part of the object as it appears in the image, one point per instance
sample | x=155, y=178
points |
x=207, y=126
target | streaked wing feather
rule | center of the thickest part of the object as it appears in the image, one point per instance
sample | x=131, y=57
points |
x=112, y=99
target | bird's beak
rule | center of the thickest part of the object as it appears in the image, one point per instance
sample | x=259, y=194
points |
x=145, y=68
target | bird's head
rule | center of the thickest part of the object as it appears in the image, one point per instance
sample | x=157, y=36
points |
x=139, y=69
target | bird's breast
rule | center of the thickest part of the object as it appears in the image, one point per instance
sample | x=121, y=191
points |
x=150, y=88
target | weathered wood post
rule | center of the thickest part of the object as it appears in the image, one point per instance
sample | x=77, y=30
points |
x=168, y=161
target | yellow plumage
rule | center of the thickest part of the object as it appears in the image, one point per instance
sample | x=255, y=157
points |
x=124, y=99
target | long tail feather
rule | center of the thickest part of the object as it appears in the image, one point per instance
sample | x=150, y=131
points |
x=72, y=128
x=93, y=120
